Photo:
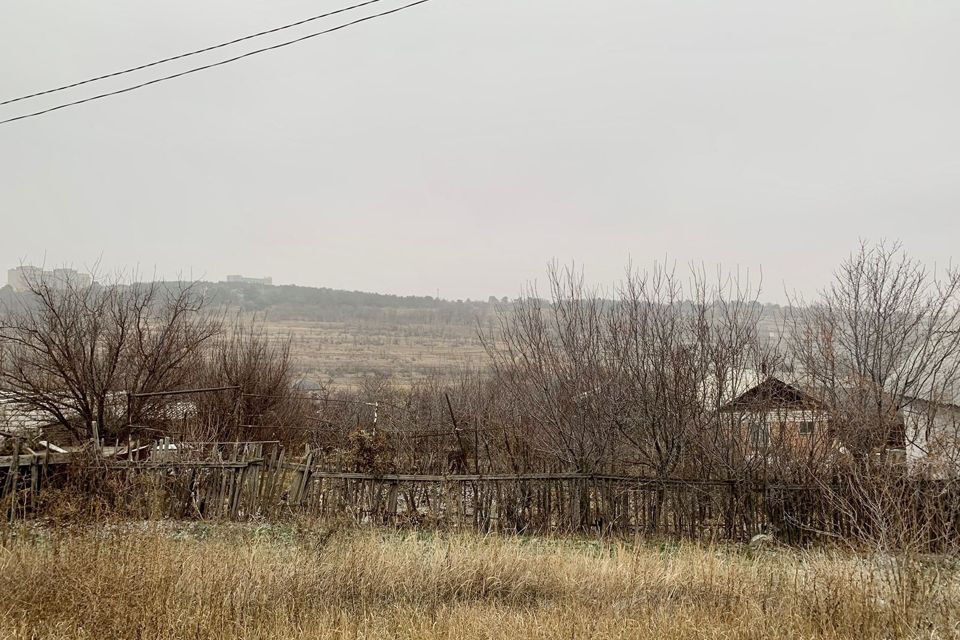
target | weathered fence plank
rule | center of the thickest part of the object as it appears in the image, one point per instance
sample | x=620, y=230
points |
x=244, y=480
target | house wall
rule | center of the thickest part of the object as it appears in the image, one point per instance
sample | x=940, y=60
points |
x=15, y=419
x=933, y=437
x=793, y=435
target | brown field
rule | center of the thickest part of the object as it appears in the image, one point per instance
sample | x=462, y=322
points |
x=302, y=581
x=341, y=353
x=405, y=345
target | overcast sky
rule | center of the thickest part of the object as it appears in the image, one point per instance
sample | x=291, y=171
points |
x=461, y=145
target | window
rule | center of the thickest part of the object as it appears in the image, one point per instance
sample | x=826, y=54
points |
x=759, y=434
x=806, y=427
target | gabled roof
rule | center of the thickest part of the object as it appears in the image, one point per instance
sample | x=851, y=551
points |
x=772, y=393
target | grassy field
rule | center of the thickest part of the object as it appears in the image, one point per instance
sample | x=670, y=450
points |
x=199, y=581
x=397, y=343
x=340, y=353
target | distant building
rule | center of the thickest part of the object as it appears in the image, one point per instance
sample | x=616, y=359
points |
x=245, y=280
x=21, y=277
x=777, y=420
x=774, y=417
x=18, y=418
x=307, y=386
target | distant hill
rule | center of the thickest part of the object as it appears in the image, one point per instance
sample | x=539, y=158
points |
x=341, y=337
x=322, y=304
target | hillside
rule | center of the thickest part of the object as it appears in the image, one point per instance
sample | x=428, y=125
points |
x=342, y=336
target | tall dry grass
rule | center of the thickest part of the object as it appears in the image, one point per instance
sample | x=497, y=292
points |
x=197, y=581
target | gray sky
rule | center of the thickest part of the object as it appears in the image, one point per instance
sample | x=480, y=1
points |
x=461, y=145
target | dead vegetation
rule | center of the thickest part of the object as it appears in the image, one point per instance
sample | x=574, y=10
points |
x=656, y=408
x=301, y=581
x=600, y=417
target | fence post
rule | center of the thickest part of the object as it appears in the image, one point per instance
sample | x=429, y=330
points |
x=96, y=438
x=10, y=488
x=304, y=477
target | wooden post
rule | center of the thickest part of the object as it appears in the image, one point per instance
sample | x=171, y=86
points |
x=576, y=497
x=226, y=483
x=238, y=486
x=277, y=479
x=34, y=480
x=96, y=438
x=12, y=473
x=392, y=503
x=304, y=478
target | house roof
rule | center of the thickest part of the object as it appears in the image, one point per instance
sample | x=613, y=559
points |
x=772, y=393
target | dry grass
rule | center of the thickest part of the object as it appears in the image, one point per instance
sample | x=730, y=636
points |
x=340, y=353
x=196, y=581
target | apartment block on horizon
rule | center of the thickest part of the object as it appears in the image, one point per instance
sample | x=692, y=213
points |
x=237, y=279
x=21, y=277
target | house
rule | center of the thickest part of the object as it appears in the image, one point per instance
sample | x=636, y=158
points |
x=777, y=420
x=18, y=418
x=932, y=435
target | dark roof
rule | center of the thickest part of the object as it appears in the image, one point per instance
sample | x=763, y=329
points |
x=772, y=393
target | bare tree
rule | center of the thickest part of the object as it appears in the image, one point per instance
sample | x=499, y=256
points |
x=881, y=347
x=73, y=351
x=637, y=381
x=884, y=335
x=265, y=403
x=551, y=355
x=679, y=352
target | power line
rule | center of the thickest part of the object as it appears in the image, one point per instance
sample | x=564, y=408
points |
x=180, y=392
x=212, y=65
x=322, y=400
x=189, y=53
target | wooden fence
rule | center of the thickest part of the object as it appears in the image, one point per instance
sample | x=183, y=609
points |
x=261, y=480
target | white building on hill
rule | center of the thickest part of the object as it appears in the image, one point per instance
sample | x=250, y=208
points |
x=245, y=280
x=21, y=277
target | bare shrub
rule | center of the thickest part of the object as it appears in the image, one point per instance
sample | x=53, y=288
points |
x=264, y=404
